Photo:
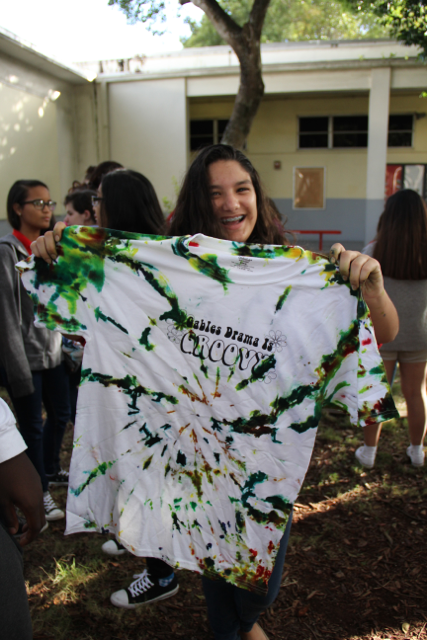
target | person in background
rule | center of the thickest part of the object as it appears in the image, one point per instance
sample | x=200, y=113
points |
x=31, y=366
x=126, y=201
x=400, y=247
x=79, y=209
x=19, y=487
x=100, y=171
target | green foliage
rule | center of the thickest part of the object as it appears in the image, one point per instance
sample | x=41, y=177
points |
x=147, y=11
x=406, y=19
x=294, y=20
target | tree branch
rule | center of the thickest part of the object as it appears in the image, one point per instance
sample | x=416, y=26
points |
x=257, y=16
x=223, y=23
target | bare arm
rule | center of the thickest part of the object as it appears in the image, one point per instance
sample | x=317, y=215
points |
x=20, y=486
x=365, y=272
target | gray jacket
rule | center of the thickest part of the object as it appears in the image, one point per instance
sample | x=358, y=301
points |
x=23, y=347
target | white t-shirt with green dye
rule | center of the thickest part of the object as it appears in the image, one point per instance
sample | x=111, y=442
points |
x=206, y=368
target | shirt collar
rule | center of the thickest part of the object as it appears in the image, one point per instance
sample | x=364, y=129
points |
x=23, y=240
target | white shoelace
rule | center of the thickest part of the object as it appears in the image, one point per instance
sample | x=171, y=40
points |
x=142, y=584
x=48, y=502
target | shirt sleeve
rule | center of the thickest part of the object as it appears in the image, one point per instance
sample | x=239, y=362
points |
x=62, y=291
x=11, y=441
x=375, y=402
x=355, y=384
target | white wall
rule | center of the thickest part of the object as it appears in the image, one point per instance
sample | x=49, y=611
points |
x=148, y=130
x=28, y=142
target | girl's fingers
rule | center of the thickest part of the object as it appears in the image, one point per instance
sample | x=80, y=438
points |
x=57, y=230
x=346, y=258
x=334, y=252
x=45, y=246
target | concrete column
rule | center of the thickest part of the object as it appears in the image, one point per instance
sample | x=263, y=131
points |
x=102, y=122
x=379, y=100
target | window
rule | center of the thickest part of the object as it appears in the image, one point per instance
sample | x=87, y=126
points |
x=313, y=133
x=342, y=132
x=206, y=132
x=350, y=131
x=400, y=131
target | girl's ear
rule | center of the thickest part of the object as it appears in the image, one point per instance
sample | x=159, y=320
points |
x=87, y=216
x=17, y=208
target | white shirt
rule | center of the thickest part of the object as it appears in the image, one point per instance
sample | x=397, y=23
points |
x=205, y=372
x=11, y=441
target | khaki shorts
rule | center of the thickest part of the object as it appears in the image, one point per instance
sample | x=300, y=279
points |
x=404, y=356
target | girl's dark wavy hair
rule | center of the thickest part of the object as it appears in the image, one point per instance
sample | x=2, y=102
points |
x=130, y=203
x=401, y=241
x=194, y=212
x=81, y=201
x=18, y=193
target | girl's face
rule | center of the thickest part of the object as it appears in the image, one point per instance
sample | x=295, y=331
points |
x=74, y=217
x=233, y=199
x=33, y=219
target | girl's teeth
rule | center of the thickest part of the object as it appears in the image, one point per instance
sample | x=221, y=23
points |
x=236, y=219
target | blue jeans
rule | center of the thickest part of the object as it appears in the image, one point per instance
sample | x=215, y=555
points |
x=232, y=609
x=43, y=439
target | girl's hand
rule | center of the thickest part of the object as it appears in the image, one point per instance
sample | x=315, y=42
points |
x=360, y=270
x=45, y=246
x=365, y=272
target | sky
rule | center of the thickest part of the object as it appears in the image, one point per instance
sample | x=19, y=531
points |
x=86, y=30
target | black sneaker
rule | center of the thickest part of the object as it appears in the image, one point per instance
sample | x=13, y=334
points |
x=51, y=510
x=144, y=590
x=58, y=479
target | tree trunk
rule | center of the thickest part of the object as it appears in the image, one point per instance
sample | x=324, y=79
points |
x=249, y=96
x=246, y=43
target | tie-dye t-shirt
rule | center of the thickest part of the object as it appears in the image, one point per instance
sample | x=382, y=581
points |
x=205, y=372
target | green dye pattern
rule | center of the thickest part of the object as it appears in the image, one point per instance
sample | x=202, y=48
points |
x=99, y=315
x=147, y=463
x=268, y=252
x=378, y=370
x=49, y=316
x=130, y=387
x=144, y=340
x=277, y=502
x=207, y=264
x=232, y=372
x=100, y=470
x=282, y=299
x=258, y=372
x=71, y=276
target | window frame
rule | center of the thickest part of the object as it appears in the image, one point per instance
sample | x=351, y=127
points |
x=331, y=132
x=215, y=134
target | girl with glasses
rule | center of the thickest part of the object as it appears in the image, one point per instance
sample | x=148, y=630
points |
x=31, y=366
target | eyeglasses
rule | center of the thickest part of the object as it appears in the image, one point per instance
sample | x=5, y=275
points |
x=96, y=200
x=41, y=204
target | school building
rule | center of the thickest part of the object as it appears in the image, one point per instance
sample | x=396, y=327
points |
x=341, y=125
